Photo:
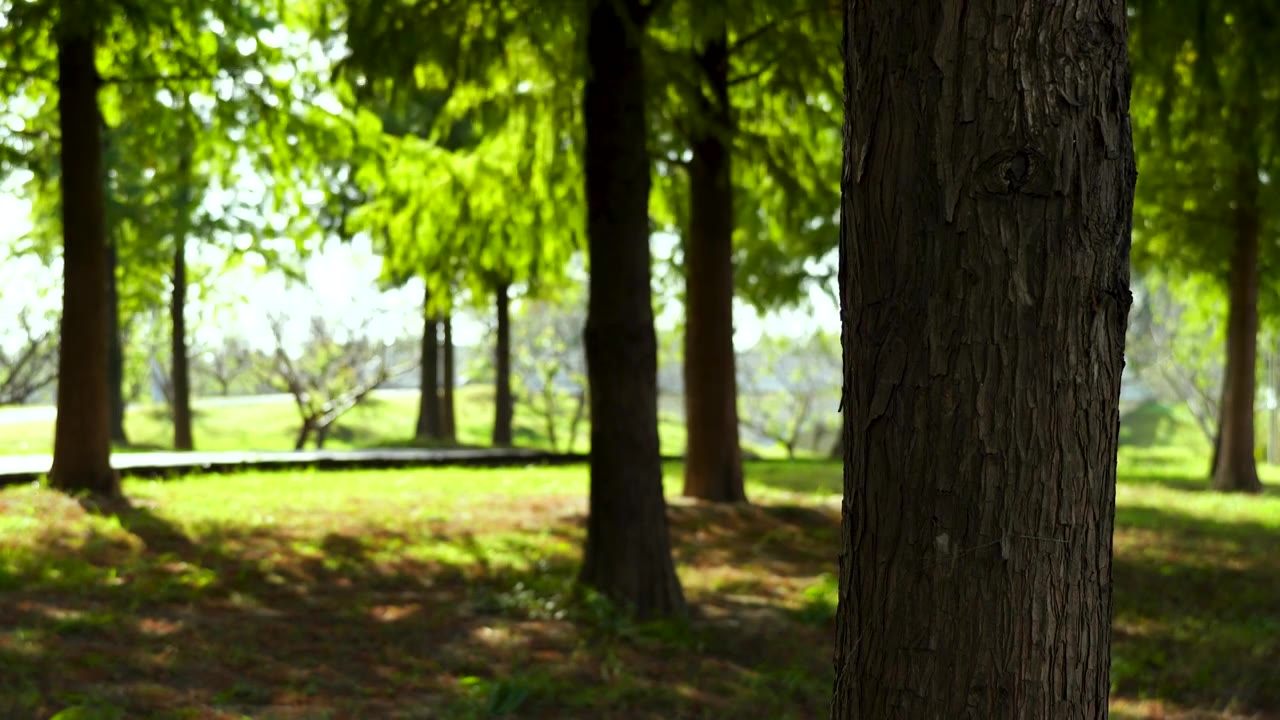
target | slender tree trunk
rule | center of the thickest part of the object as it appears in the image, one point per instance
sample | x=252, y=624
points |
x=429, y=386
x=181, y=369
x=449, y=427
x=1235, y=468
x=503, y=403
x=713, y=456
x=115, y=352
x=82, y=437
x=579, y=410
x=628, y=554
x=986, y=217
x=304, y=433
x=549, y=399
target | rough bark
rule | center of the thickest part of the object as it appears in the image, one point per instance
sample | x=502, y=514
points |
x=627, y=556
x=713, y=456
x=986, y=216
x=428, y=427
x=181, y=367
x=448, y=425
x=1235, y=468
x=115, y=353
x=82, y=435
x=503, y=402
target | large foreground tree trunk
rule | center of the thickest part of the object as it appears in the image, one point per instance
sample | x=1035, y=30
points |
x=448, y=427
x=82, y=437
x=428, y=427
x=503, y=403
x=115, y=352
x=713, y=456
x=627, y=555
x=181, y=367
x=1235, y=468
x=987, y=206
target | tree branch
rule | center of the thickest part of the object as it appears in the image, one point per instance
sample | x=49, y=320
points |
x=755, y=34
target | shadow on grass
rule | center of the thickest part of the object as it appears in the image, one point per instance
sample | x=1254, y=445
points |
x=270, y=621
x=1196, y=611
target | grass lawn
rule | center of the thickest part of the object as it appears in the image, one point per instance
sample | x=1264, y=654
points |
x=385, y=419
x=449, y=594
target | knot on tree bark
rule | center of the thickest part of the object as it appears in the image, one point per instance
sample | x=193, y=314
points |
x=1009, y=172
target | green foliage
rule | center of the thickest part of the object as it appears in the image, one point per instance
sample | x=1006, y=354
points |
x=1205, y=126
x=474, y=179
x=785, y=136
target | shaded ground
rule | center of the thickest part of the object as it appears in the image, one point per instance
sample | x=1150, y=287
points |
x=449, y=594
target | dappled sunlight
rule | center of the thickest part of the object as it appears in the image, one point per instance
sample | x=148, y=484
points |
x=454, y=588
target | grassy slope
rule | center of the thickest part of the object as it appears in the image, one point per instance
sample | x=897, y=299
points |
x=402, y=594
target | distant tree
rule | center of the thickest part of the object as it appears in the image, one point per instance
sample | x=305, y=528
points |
x=328, y=372
x=986, y=218
x=549, y=367
x=227, y=363
x=28, y=357
x=1174, y=345
x=792, y=388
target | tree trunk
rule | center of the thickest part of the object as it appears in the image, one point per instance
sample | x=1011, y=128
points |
x=986, y=218
x=713, y=456
x=115, y=352
x=429, y=386
x=503, y=403
x=448, y=427
x=82, y=437
x=627, y=555
x=181, y=366
x=304, y=433
x=579, y=410
x=1235, y=468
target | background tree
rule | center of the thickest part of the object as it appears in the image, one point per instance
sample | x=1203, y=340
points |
x=329, y=372
x=627, y=555
x=792, y=390
x=742, y=88
x=28, y=331
x=985, y=284
x=548, y=366
x=1174, y=344
x=1204, y=119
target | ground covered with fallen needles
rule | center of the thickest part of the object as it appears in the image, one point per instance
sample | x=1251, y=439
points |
x=450, y=594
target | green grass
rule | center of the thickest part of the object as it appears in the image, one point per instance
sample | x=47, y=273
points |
x=449, y=593
x=384, y=420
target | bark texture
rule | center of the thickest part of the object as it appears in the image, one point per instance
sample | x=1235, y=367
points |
x=986, y=216
x=82, y=436
x=627, y=555
x=1235, y=467
x=448, y=425
x=428, y=427
x=181, y=367
x=503, y=403
x=115, y=352
x=713, y=456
